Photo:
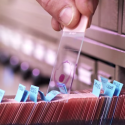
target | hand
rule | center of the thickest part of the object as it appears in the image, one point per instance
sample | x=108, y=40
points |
x=68, y=12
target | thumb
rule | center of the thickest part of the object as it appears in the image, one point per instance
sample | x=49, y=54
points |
x=64, y=11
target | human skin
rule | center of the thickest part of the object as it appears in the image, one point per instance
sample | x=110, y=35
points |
x=68, y=12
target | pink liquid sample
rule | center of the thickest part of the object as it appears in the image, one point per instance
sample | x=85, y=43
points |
x=62, y=77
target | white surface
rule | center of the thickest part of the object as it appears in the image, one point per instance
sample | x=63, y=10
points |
x=50, y=57
x=39, y=52
x=84, y=76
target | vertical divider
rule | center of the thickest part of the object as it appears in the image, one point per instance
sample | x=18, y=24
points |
x=120, y=15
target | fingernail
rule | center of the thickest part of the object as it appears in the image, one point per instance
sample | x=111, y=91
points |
x=66, y=15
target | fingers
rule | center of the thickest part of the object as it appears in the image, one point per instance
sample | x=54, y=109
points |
x=68, y=12
x=64, y=11
x=95, y=3
x=55, y=24
x=86, y=7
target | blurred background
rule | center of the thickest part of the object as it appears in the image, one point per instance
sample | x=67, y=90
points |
x=28, y=46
